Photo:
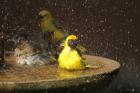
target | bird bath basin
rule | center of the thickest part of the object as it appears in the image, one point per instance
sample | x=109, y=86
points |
x=50, y=78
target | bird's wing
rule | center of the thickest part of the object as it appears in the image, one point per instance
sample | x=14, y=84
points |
x=79, y=52
x=81, y=49
x=57, y=25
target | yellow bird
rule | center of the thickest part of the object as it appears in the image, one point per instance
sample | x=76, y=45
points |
x=54, y=35
x=48, y=24
x=70, y=58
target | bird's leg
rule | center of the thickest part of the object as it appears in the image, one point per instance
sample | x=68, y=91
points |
x=51, y=52
x=49, y=47
x=48, y=41
x=44, y=36
x=44, y=43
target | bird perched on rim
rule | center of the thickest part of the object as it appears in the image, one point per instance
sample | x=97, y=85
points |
x=70, y=58
x=54, y=33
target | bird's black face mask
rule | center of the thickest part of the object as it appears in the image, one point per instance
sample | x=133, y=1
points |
x=72, y=43
x=42, y=16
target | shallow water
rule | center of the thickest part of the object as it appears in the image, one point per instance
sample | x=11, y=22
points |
x=14, y=72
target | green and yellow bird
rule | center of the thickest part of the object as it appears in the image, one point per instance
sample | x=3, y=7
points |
x=53, y=34
x=70, y=58
x=48, y=25
x=56, y=35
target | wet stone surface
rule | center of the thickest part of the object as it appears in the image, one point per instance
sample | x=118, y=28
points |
x=14, y=76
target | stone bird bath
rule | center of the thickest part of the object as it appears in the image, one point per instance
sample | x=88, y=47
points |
x=49, y=78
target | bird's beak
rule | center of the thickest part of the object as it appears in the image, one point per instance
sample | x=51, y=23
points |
x=40, y=17
x=72, y=43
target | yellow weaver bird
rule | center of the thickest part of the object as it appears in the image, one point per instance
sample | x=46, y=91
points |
x=70, y=58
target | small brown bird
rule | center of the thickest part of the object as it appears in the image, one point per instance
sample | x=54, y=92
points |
x=26, y=55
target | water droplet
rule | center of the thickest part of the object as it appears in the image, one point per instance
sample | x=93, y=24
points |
x=84, y=88
x=137, y=75
x=27, y=3
x=103, y=30
x=2, y=26
x=101, y=21
x=76, y=30
x=124, y=43
x=72, y=10
x=136, y=50
x=133, y=90
x=82, y=35
x=131, y=20
x=87, y=81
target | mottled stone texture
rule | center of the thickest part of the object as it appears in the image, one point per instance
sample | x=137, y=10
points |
x=107, y=28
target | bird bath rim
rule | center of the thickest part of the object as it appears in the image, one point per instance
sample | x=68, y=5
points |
x=62, y=78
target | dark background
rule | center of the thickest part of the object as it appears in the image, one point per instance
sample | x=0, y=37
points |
x=108, y=28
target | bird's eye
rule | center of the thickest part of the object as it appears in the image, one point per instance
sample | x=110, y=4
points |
x=72, y=43
x=40, y=17
x=45, y=15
